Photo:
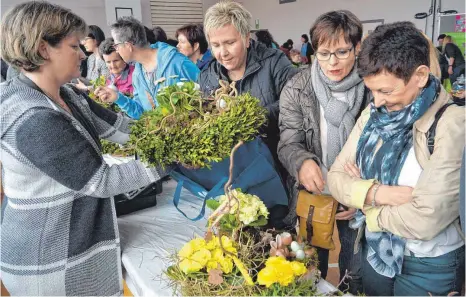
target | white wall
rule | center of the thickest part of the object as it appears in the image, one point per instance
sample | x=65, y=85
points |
x=293, y=19
x=111, y=5
x=92, y=11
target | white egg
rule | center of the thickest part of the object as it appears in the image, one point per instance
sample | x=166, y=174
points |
x=300, y=255
x=295, y=246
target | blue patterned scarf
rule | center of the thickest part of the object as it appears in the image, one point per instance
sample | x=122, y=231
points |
x=385, y=250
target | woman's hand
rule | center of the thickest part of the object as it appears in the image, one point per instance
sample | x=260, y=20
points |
x=352, y=170
x=310, y=176
x=106, y=94
x=81, y=86
x=346, y=215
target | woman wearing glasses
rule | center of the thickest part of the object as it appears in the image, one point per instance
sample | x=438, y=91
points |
x=95, y=64
x=318, y=109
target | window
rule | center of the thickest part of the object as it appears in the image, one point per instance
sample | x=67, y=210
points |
x=172, y=14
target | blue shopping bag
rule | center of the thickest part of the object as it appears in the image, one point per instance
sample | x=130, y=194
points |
x=254, y=172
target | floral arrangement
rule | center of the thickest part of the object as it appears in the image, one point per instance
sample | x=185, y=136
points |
x=238, y=258
x=192, y=130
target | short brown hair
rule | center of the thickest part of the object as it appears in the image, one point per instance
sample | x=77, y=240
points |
x=28, y=23
x=331, y=25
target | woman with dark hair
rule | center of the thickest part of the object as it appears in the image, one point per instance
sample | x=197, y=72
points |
x=318, y=109
x=306, y=49
x=290, y=44
x=150, y=35
x=193, y=44
x=95, y=64
x=401, y=168
x=159, y=34
x=59, y=227
x=266, y=38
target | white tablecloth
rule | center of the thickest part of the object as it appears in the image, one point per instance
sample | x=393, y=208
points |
x=150, y=236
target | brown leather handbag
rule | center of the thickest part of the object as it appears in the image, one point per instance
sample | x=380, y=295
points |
x=317, y=218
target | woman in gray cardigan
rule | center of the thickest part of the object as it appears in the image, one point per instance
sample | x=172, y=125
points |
x=59, y=229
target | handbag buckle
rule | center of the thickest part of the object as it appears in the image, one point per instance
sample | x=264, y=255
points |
x=309, y=229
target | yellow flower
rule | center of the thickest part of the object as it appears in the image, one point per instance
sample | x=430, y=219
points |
x=243, y=271
x=195, y=262
x=193, y=256
x=212, y=244
x=279, y=270
x=228, y=245
x=227, y=265
x=266, y=277
x=298, y=268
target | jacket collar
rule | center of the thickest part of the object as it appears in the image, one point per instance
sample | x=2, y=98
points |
x=426, y=121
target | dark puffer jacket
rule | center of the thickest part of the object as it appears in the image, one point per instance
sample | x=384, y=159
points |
x=267, y=71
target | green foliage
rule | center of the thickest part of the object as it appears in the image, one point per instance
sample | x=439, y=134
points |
x=188, y=129
x=98, y=82
x=112, y=148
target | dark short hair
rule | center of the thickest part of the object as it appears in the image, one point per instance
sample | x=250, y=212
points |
x=290, y=41
x=441, y=36
x=106, y=47
x=194, y=33
x=172, y=42
x=129, y=29
x=266, y=38
x=150, y=35
x=306, y=39
x=398, y=48
x=331, y=25
x=96, y=33
x=159, y=34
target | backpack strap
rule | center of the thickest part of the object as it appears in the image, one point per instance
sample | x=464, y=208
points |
x=433, y=128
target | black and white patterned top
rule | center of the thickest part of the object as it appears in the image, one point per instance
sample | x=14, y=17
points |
x=59, y=228
x=96, y=67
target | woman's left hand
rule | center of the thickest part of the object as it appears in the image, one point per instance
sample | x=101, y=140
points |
x=352, y=170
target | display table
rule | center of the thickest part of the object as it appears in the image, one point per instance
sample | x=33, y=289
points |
x=150, y=236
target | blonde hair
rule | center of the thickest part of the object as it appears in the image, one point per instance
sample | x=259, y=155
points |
x=446, y=40
x=434, y=64
x=27, y=24
x=225, y=13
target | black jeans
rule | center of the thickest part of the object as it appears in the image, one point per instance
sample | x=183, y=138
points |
x=347, y=260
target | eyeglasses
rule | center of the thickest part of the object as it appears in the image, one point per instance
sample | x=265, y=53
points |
x=117, y=45
x=340, y=54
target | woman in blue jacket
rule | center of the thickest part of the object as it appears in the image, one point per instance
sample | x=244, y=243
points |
x=156, y=66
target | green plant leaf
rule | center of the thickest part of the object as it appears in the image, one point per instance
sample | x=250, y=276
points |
x=212, y=204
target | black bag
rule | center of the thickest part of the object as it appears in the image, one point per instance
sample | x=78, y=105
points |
x=137, y=200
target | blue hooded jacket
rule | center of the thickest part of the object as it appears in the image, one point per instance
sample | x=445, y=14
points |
x=171, y=65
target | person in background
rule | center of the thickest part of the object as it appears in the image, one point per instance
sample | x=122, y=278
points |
x=306, y=49
x=95, y=64
x=266, y=38
x=286, y=49
x=412, y=244
x=150, y=35
x=159, y=34
x=290, y=44
x=59, y=228
x=295, y=57
x=172, y=42
x=84, y=62
x=440, y=40
x=156, y=66
x=121, y=73
x=318, y=109
x=455, y=58
x=193, y=44
x=256, y=69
